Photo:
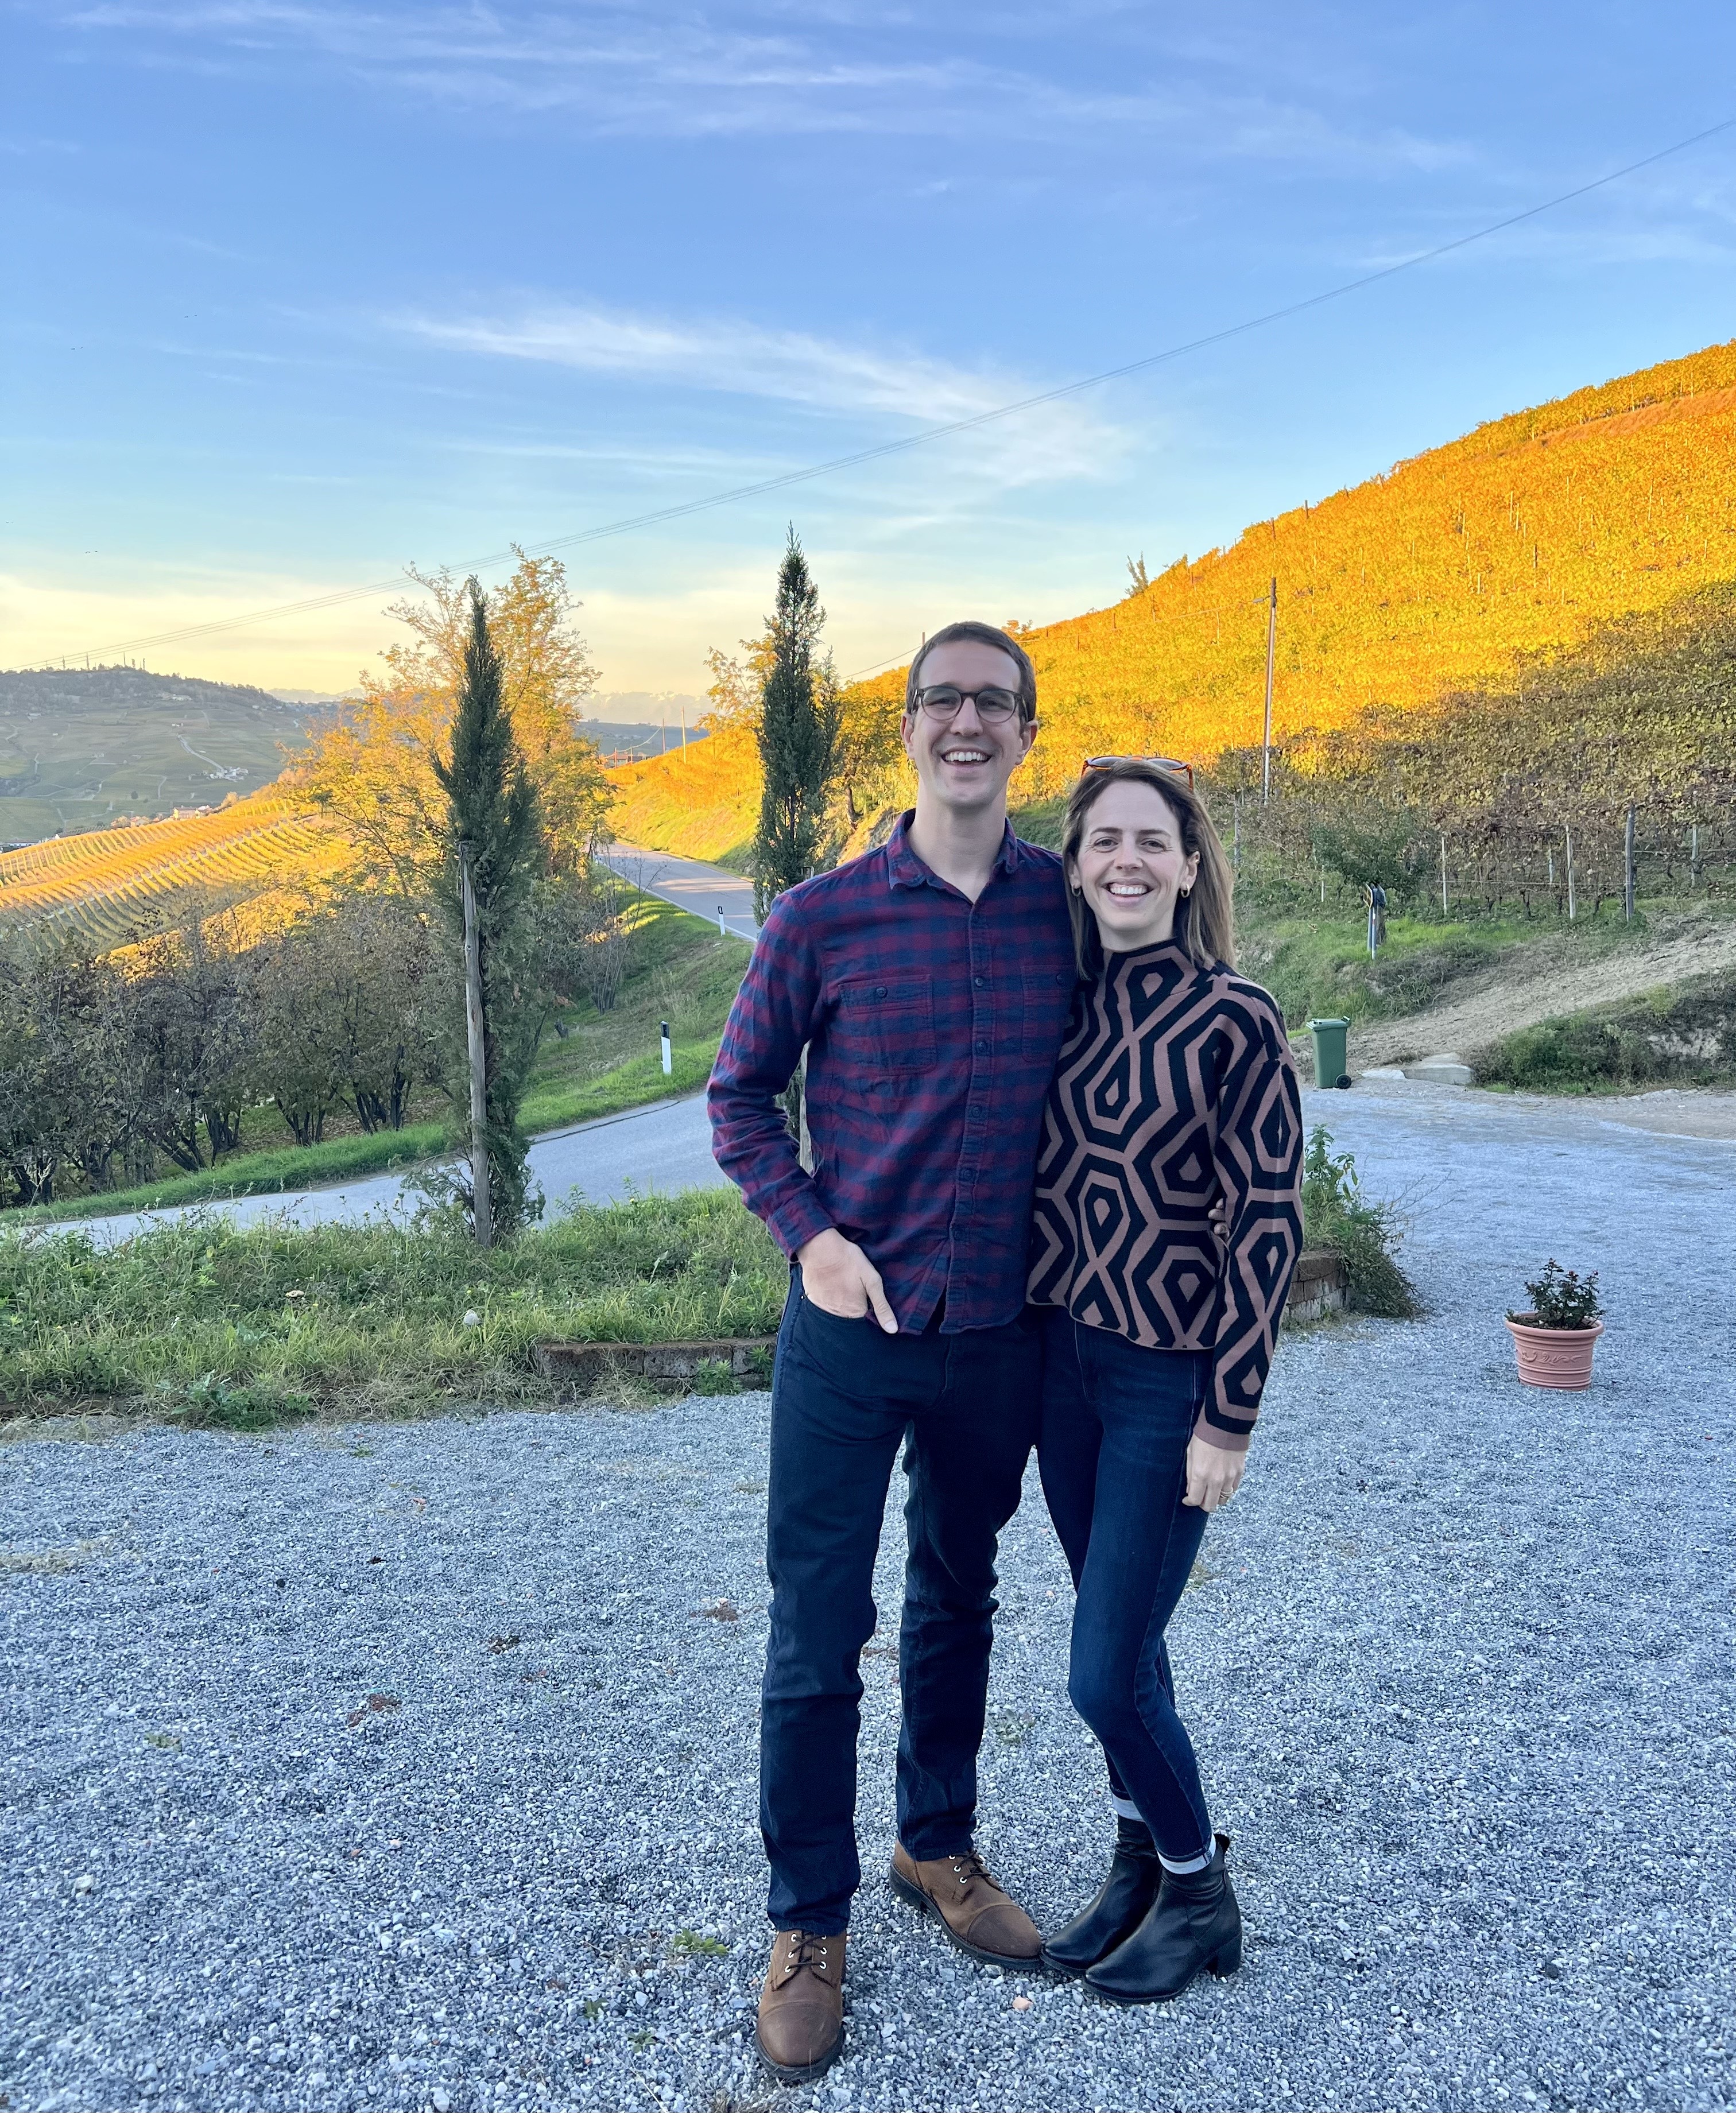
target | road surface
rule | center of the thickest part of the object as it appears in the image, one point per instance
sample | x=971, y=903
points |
x=665, y=1146
x=709, y=891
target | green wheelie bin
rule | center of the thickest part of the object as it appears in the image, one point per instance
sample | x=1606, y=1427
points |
x=1328, y=1037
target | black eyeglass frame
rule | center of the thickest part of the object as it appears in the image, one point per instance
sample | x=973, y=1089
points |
x=1014, y=707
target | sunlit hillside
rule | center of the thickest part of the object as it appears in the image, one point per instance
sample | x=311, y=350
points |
x=1522, y=537
x=700, y=802
x=107, y=884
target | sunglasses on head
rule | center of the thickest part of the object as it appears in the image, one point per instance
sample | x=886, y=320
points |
x=1167, y=764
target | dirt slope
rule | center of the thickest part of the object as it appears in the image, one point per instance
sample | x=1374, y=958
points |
x=1543, y=982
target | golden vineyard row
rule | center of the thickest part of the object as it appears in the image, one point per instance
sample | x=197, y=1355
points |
x=101, y=883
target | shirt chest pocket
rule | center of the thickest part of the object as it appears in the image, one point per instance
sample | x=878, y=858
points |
x=1047, y=995
x=883, y=1037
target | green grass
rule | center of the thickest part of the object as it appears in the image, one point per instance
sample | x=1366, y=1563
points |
x=685, y=973
x=688, y=974
x=201, y=1324
x=1684, y=1035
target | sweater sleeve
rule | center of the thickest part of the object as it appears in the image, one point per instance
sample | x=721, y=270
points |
x=1258, y=1163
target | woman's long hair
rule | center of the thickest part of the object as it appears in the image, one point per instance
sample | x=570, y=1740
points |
x=1205, y=918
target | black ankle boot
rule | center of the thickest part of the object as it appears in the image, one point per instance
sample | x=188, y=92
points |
x=1118, y=1909
x=1194, y=1927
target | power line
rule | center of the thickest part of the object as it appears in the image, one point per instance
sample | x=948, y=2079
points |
x=788, y=478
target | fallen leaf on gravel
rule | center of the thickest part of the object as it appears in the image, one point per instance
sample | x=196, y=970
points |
x=1021, y=2002
x=721, y=1610
x=377, y=1558
x=167, y=1739
x=375, y=1704
x=503, y=1643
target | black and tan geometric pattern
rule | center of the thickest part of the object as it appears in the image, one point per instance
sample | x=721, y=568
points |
x=1175, y=1085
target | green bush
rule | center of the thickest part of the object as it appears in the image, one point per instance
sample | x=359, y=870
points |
x=1685, y=1036
x=1363, y=1234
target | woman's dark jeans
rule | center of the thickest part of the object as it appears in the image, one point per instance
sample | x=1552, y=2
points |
x=1116, y=1420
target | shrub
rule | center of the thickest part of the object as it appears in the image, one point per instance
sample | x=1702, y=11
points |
x=1363, y=1234
x=1560, y=1299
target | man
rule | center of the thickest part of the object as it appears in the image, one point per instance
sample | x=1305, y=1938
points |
x=929, y=982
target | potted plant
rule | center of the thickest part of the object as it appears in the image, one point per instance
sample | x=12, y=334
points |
x=1555, y=1341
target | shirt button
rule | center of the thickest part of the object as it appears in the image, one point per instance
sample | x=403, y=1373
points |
x=979, y=981
x=981, y=1048
x=879, y=990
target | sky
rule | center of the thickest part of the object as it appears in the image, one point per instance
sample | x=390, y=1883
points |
x=300, y=293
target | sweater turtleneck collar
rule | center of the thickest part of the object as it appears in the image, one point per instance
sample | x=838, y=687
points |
x=1163, y=952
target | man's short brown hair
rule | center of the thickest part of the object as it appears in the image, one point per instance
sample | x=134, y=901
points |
x=984, y=634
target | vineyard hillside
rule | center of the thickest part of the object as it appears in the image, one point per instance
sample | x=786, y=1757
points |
x=1525, y=537
x=108, y=885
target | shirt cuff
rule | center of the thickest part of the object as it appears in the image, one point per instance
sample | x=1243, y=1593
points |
x=792, y=1225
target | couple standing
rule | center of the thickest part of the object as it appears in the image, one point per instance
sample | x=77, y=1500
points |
x=1056, y=1145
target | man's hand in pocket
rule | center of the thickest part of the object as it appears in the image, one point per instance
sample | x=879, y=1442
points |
x=842, y=1282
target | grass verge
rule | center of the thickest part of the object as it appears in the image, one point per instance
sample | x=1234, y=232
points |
x=1684, y=1035
x=199, y=1324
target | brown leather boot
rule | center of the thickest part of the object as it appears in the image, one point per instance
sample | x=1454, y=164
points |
x=980, y=1917
x=800, y=2030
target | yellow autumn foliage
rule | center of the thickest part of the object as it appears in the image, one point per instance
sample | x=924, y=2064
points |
x=1523, y=538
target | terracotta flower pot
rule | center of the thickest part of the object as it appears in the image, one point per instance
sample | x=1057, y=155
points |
x=1554, y=1356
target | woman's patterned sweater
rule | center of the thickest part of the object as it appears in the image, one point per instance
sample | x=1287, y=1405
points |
x=1175, y=1085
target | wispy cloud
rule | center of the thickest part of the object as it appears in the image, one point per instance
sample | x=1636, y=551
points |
x=664, y=70
x=727, y=356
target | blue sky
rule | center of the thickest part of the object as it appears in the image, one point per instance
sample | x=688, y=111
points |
x=299, y=293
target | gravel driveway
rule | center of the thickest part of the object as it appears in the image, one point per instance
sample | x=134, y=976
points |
x=413, y=1766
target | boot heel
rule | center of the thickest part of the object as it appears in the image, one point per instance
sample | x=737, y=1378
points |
x=1229, y=1956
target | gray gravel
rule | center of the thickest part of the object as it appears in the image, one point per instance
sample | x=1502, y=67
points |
x=1460, y=1673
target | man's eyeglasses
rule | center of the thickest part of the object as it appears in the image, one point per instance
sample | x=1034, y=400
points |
x=993, y=707
x=1164, y=763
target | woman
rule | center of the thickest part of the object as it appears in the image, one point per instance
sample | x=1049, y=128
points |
x=1175, y=1098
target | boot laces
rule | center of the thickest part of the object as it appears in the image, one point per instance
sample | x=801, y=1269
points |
x=968, y=1867
x=808, y=1951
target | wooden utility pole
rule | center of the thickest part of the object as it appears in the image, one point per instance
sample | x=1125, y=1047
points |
x=1627, y=862
x=1271, y=647
x=480, y=1203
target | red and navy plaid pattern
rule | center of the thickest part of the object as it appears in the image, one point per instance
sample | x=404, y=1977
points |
x=932, y=1026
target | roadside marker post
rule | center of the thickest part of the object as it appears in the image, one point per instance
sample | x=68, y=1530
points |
x=721, y=926
x=669, y=1053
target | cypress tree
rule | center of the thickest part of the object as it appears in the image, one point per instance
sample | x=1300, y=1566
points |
x=798, y=737
x=492, y=806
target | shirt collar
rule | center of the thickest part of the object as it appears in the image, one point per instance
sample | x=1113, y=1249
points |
x=905, y=869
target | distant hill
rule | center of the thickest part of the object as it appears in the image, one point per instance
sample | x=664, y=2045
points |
x=84, y=748
x=1524, y=539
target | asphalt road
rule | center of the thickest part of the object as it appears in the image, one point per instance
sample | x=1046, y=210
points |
x=663, y=1146
x=722, y=898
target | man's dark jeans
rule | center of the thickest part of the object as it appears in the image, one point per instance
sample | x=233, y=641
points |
x=843, y=1395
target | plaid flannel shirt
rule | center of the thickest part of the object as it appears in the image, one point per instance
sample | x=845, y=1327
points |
x=932, y=1026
